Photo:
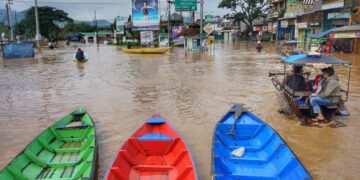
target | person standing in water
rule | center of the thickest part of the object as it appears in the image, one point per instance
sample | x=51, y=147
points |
x=80, y=55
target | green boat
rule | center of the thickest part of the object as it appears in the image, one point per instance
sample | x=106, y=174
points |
x=66, y=150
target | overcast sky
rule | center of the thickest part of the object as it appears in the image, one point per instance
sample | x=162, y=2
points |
x=106, y=9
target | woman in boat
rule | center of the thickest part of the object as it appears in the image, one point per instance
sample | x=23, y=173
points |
x=328, y=95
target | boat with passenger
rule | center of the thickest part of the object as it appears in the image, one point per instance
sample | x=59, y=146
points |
x=300, y=89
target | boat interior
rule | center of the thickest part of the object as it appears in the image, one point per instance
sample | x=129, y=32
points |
x=266, y=155
x=155, y=151
x=64, y=151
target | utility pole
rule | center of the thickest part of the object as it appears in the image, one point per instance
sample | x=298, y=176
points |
x=169, y=17
x=38, y=35
x=96, y=29
x=8, y=9
x=201, y=21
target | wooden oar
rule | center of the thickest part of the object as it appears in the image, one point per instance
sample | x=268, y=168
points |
x=238, y=110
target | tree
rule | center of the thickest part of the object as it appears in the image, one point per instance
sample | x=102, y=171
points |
x=74, y=27
x=47, y=16
x=245, y=11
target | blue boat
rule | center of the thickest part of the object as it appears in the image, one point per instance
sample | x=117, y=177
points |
x=244, y=147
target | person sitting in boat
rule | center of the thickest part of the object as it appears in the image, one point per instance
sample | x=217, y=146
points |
x=328, y=95
x=317, y=83
x=80, y=55
x=296, y=80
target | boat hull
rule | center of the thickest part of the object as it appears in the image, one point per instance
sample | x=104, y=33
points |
x=155, y=151
x=66, y=150
x=265, y=154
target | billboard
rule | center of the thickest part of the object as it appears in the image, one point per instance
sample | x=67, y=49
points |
x=185, y=5
x=147, y=38
x=120, y=23
x=145, y=15
x=163, y=40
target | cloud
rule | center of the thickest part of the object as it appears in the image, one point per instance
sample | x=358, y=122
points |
x=106, y=9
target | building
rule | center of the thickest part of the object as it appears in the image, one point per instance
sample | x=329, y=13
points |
x=277, y=10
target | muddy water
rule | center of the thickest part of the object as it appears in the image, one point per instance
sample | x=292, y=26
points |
x=121, y=91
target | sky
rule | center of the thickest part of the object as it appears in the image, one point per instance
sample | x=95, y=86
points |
x=83, y=10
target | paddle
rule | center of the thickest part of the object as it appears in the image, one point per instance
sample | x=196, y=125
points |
x=238, y=110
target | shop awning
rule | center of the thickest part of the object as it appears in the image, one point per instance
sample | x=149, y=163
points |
x=347, y=28
x=321, y=34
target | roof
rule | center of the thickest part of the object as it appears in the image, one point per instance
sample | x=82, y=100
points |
x=321, y=34
x=304, y=59
x=347, y=28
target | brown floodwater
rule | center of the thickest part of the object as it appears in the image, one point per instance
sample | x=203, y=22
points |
x=192, y=91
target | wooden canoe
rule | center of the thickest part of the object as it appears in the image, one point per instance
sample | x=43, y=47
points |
x=147, y=50
x=66, y=150
x=251, y=150
x=155, y=151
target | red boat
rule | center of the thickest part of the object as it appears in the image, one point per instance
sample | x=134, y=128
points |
x=156, y=152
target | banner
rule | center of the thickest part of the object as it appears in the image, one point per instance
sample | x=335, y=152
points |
x=163, y=40
x=185, y=5
x=147, y=38
x=145, y=15
x=120, y=23
x=176, y=30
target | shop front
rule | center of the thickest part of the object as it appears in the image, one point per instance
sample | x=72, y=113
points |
x=304, y=30
x=286, y=30
x=346, y=39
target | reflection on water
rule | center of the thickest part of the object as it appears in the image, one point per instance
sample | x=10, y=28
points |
x=192, y=91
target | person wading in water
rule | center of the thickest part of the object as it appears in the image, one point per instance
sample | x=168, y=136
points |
x=80, y=55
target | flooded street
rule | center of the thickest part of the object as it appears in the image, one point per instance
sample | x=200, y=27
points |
x=191, y=91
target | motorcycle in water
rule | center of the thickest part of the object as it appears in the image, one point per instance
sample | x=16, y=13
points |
x=258, y=47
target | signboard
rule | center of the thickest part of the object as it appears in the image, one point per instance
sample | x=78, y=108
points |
x=187, y=20
x=270, y=27
x=284, y=24
x=185, y=5
x=209, y=18
x=332, y=5
x=145, y=15
x=275, y=26
x=344, y=35
x=315, y=24
x=210, y=40
x=163, y=40
x=264, y=28
x=146, y=37
x=257, y=28
x=302, y=25
x=120, y=23
x=209, y=28
x=345, y=15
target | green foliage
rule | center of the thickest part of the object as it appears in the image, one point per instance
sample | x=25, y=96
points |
x=47, y=16
x=245, y=11
x=74, y=27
